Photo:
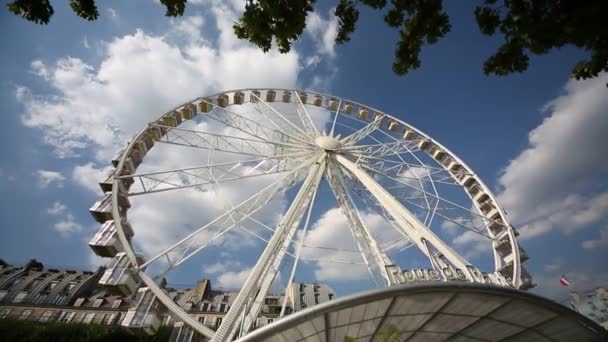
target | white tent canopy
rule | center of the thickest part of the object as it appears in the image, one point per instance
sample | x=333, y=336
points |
x=436, y=312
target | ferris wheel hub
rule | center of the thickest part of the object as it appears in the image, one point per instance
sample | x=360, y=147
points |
x=328, y=143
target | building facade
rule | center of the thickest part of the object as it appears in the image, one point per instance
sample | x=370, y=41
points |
x=51, y=295
x=593, y=304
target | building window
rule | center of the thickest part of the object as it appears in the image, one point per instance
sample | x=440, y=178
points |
x=116, y=303
x=205, y=306
x=222, y=307
x=19, y=297
x=79, y=301
x=2, y=294
x=316, y=298
x=53, y=284
x=88, y=318
x=71, y=286
x=108, y=319
x=225, y=299
x=25, y=314
x=66, y=316
x=46, y=316
x=270, y=320
x=4, y=313
x=331, y=296
x=97, y=303
x=218, y=322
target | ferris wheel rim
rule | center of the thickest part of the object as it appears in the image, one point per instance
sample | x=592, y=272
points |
x=128, y=249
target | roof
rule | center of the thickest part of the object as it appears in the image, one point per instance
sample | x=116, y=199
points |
x=436, y=312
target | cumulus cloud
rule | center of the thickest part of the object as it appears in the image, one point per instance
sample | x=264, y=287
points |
x=331, y=230
x=88, y=176
x=68, y=225
x=57, y=208
x=547, y=186
x=602, y=241
x=46, y=178
x=323, y=32
x=162, y=70
x=96, y=108
x=233, y=280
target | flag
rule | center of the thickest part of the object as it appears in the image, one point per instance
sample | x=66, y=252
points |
x=564, y=281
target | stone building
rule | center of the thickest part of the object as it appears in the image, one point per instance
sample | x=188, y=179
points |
x=593, y=304
x=45, y=294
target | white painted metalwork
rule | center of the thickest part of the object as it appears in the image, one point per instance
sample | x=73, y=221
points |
x=373, y=163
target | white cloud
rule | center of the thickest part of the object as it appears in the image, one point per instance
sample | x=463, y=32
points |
x=471, y=244
x=323, y=32
x=546, y=187
x=88, y=176
x=46, y=178
x=68, y=225
x=85, y=43
x=141, y=76
x=57, y=208
x=233, y=280
x=602, y=241
x=331, y=230
x=95, y=108
x=113, y=14
x=552, y=267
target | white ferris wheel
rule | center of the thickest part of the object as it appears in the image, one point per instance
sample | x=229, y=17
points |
x=302, y=147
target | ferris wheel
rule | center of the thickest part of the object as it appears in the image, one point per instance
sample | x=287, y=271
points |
x=310, y=150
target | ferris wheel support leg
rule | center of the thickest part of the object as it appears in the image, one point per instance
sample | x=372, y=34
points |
x=262, y=275
x=363, y=237
x=406, y=221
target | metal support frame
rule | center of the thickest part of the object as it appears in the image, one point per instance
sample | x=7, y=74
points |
x=406, y=221
x=262, y=275
x=296, y=144
x=365, y=241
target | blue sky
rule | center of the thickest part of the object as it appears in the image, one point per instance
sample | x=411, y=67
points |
x=73, y=91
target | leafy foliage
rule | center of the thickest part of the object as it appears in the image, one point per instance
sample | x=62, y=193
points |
x=538, y=26
x=284, y=20
x=32, y=331
x=38, y=11
x=85, y=9
x=527, y=26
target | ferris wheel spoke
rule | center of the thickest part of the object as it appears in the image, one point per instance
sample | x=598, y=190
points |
x=364, y=239
x=249, y=300
x=363, y=132
x=251, y=127
x=282, y=117
x=421, y=235
x=407, y=170
x=194, y=242
x=305, y=117
x=446, y=205
x=228, y=143
x=160, y=181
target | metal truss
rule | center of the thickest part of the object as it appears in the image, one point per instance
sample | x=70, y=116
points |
x=182, y=250
x=254, y=128
x=275, y=116
x=395, y=175
x=363, y=132
x=365, y=241
x=305, y=117
x=420, y=234
x=159, y=181
x=227, y=143
x=249, y=300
